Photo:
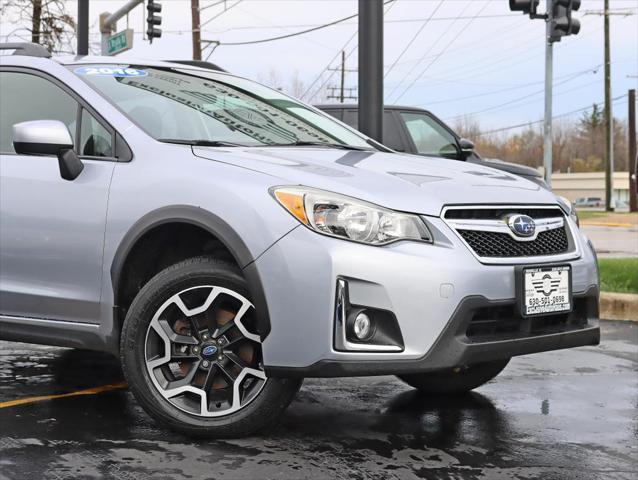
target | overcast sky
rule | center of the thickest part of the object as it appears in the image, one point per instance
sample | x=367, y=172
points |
x=490, y=66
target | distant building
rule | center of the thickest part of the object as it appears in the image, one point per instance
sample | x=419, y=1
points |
x=590, y=184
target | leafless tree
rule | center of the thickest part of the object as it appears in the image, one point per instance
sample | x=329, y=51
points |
x=46, y=22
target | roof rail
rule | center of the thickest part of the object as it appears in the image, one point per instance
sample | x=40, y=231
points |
x=199, y=63
x=26, y=48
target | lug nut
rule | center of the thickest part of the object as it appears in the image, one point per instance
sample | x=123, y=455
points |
x=205, y=364
x=222, y=341
x=195, y=349
x=205, y=336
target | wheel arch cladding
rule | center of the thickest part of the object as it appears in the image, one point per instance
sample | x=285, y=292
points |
x=213, y=225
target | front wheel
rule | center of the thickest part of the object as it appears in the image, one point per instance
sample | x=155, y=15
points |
x=455, y=380
x=192, y=354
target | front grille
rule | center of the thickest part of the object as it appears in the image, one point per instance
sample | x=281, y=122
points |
x=486, y=231
x=496, y=244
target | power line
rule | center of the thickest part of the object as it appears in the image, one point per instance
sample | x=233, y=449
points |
x=390, y=21
x=427, y=52
x=461, y=31
x=327, y=67
x=566, y=114
x=219, y=14
x=516, y=87
x=427, y=20
x=519, y=99
x=302, y=32
x=519, y=102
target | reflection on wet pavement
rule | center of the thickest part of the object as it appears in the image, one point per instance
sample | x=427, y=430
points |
x=559, y=415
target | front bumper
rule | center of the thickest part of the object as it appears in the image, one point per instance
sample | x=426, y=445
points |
x=433, y=290
x=454, y=347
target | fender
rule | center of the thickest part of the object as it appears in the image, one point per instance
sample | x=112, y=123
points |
x=215, y=226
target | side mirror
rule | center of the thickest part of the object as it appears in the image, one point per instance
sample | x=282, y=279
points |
x=48, y=137
x=467, y=147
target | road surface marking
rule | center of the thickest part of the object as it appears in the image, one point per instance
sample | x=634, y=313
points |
x=88, y=391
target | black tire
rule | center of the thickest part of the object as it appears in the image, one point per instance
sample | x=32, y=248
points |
x=457, y=380
x=262, y=411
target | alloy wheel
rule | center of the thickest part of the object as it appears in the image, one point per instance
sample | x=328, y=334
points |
x=202, y=352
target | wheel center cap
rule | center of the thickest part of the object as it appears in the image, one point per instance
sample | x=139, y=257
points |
x=209, y=351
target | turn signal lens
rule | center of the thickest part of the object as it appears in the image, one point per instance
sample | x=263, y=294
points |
x=293, y=202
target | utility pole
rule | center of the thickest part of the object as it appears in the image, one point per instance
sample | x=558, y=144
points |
x=371, y=68
x=83, y=27
x=343, y=73
x=549, y=84
x=197, y=36
x=345, y=93
x=348, y=93
x=632, y=159
x=610, y=203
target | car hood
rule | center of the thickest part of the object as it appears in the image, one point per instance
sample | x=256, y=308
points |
x=510, y=167
x=399, y=181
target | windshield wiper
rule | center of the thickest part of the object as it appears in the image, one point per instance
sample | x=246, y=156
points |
x=200, y=143
x=303, y=143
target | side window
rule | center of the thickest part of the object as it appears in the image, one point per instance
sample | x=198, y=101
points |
x=430, y=137
x=95, y=140
x=392, y=134
x=25, y=97
x=334, y=112
x=351, y=117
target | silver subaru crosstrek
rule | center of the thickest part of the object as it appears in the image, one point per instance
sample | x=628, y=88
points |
x=226, y=241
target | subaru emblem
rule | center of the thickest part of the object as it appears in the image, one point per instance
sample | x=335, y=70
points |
x=209, y=350
x=521, y=225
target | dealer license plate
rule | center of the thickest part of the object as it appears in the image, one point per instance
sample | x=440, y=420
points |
x=546, y=290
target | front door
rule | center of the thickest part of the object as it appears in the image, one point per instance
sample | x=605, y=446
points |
x=51, y=230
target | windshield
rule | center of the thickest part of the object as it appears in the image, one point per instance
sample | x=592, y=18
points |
x=182, y=105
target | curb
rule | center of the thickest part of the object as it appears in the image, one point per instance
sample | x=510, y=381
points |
x=603, y=224
x=619, y=306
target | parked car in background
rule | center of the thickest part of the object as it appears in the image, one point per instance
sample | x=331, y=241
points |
x=586, y=202
x=418, y=131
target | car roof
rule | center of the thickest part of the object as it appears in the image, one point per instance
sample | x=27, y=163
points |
x=356, y=106
x=93, y=59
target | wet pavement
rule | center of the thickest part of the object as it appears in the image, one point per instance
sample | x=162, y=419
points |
x=558, y=415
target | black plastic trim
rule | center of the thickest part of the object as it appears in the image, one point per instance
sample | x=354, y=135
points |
x=28, y=49
x=211, y=223
x=32, y=148
x=53, y=332
x=450, y=350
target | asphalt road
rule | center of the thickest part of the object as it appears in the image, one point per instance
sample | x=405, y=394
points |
x=613, y=241
x=559, y=415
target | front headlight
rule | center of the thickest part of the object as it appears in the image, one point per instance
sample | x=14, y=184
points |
x=348, y=218
x=569, y=209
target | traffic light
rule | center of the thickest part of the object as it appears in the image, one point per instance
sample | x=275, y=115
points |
x=562, y=22
x=152, y=20
x=525, y=6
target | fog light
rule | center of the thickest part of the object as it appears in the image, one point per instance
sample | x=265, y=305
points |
x=362, y=326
